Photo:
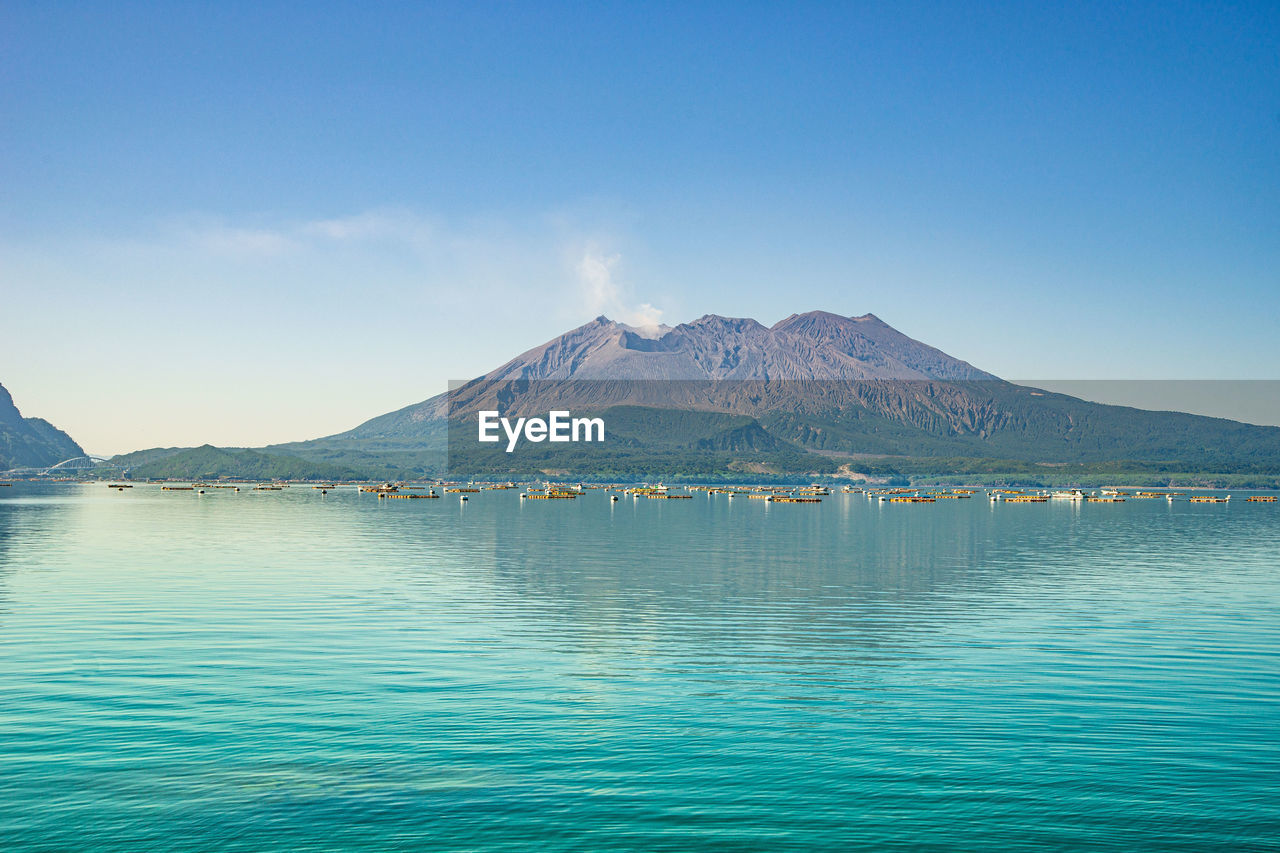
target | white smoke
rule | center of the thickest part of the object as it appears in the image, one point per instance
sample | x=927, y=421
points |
x=604, y=295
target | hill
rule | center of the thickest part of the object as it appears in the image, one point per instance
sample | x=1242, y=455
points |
x=30, y=442
x=210, y=463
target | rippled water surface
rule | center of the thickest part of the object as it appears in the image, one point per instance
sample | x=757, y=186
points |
x=291, y=671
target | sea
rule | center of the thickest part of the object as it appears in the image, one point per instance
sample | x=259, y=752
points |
x=297, y=671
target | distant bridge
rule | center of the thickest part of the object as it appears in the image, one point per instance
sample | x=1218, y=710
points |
x=77, y=462
x=66, y=466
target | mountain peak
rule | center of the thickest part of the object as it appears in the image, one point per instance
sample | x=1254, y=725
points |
x=707, y=321
x=811, y=320
x=813, y=345
x=8, y=411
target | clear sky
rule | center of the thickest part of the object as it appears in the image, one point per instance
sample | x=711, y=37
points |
x=243, y=223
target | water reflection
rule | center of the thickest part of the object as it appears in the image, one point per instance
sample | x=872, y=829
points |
x=290, y=670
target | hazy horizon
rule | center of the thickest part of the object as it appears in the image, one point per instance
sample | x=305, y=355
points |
x=1253, y=401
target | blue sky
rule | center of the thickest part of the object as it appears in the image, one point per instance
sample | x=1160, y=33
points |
x=245, y=223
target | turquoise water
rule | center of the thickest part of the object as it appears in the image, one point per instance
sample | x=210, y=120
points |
x=291, y=671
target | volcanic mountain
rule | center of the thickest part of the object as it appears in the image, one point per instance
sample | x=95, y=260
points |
x=813, y=385
x=712, y=349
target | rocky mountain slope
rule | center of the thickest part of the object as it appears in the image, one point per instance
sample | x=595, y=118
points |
x=30, y=442
x=814, y=346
